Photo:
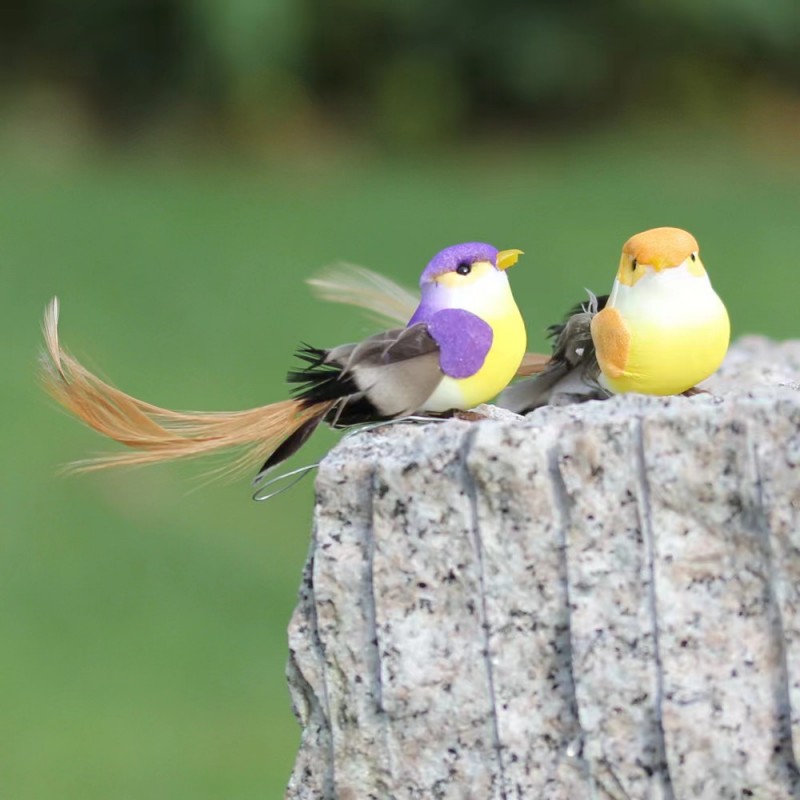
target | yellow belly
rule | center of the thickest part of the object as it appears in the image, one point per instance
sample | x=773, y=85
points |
x=665, y=360
x=509, y=343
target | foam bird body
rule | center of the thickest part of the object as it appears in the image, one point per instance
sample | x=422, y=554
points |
x=389, y=303
x=476, y=324
x=462, y=346
x=662, y=330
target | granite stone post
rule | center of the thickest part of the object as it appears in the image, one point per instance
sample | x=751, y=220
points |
x=596, y=601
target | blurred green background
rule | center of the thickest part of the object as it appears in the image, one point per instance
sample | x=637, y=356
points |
x=173, y=170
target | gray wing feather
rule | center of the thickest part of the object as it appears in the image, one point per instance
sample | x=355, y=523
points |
x=396, y=370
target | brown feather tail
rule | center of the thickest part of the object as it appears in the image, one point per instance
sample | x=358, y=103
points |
x=159, y=434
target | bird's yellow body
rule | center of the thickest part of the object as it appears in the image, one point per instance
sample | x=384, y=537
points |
x=502, y=363
x=664, y=329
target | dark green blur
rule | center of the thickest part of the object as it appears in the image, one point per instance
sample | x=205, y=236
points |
x=176, y=213
x=407, y=73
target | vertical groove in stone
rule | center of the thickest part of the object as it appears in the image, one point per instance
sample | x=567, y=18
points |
x=716, y=641
x=372, y=655
x=527, y=613
x=472, y=495
x=778, y=439
x=440, y=734
x=652, y=599
x=313, y=773
x=562, y=508
x=611, y=623
x=785, y=752
x=345, y=619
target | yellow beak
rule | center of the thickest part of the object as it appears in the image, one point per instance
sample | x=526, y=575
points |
x=507, y=258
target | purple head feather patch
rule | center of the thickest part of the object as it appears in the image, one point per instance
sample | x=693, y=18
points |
x=449, y=259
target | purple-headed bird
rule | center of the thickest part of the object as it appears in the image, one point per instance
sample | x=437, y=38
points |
x=462, y=346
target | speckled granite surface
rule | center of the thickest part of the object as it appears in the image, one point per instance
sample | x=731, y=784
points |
x=598, y=601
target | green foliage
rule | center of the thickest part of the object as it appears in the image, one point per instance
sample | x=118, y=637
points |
x=412, y=71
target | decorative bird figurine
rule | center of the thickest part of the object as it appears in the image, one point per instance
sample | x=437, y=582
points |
x=662, y=330
x=387, y=302
x=461, y=347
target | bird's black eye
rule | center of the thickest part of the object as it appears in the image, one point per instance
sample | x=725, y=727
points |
x=463, y=268
x=694, y=256
x=634, y=264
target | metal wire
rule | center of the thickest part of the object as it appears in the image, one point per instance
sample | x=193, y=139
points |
x=298, y=474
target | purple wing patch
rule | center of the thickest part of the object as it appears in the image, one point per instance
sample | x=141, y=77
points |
x=464, y=340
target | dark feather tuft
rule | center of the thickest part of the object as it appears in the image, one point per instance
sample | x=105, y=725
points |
x=318, y=380
x=555, y=330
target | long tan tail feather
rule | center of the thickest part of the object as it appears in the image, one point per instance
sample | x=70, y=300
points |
x=160, y=434
x=357, y=286
x=532, y=364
